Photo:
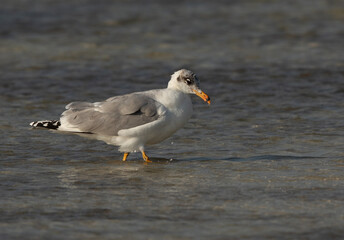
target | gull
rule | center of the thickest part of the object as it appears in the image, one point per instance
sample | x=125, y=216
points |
x=133, y=120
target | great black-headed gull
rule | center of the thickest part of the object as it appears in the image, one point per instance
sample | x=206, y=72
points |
x=134, y=120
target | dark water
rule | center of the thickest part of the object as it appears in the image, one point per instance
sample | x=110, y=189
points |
x=264, y=161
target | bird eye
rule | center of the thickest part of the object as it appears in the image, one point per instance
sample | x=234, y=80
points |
x=188, y=81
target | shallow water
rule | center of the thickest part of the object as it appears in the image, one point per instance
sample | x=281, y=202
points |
x=264, y=161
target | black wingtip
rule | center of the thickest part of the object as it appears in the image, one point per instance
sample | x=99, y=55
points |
x=50, y=124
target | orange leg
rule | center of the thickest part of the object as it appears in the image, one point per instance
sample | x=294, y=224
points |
x=145, y=157
x=126, y=154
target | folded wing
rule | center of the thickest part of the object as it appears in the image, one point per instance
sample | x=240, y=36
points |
x=110, y=116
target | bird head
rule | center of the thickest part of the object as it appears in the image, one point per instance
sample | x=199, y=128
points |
x=186, y=81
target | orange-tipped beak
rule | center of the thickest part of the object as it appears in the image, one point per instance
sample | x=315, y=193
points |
x=202, y=95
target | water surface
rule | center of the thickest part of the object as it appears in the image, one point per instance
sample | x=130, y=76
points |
x=264, y=161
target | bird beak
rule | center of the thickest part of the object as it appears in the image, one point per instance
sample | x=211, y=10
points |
x=202, y=95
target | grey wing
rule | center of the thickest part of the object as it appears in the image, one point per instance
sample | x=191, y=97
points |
x=110, y=116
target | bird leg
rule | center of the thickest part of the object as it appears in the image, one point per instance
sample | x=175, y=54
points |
x=126, y=154
x=145, y=157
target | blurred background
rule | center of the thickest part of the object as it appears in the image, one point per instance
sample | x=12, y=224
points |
x=264, y=160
